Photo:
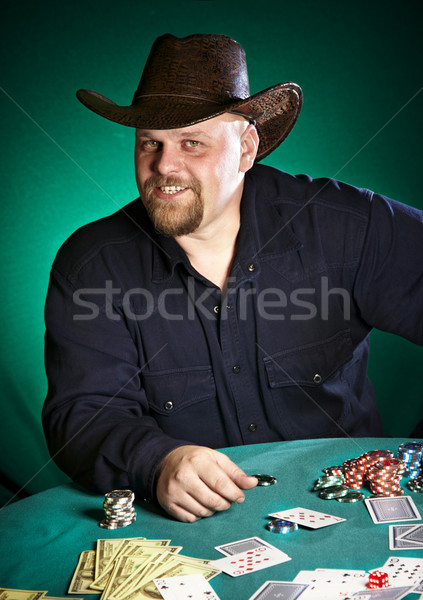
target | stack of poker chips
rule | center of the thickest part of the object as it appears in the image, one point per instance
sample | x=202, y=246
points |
x=354, y=472
x=416, y=484
x=377, y=469
x=411, y=454
x=384, y=477
x=118, y=509
x=332, y=486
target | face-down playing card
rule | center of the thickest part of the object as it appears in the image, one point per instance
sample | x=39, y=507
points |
x=392, y=509
x=279, y=590
x=405, y=537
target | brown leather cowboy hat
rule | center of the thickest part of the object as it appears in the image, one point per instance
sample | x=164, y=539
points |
x=191, y=79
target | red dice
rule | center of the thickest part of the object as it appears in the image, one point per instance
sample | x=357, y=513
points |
x=378, y=579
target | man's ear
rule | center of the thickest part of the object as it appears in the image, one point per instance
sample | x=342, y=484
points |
x=249, y=147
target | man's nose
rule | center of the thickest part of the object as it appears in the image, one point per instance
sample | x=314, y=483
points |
x=167, y=160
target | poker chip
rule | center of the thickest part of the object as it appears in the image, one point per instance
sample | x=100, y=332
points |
x=389, y=494
x=351, y=496
x=336, y=491
x=281, y=526
x=118, y=509
x=416, y=484
x=377, y=470
x=384, y=477
x=336, y=470
x=328, y=481
x=265, y=480
x=411, y=453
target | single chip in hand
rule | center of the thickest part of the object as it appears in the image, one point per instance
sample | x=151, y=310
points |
x=265, y=480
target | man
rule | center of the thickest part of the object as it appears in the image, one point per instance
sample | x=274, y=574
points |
x=230, y=305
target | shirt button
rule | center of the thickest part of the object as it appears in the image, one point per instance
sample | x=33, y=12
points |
x=236, y=369
x=168, y=405
x=252, y=427
x=216, y=309
x=228, y=307
x=251, y=267
x=317, y=378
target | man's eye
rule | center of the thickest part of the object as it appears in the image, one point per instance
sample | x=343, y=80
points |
x=149, y=144
x=192, y=143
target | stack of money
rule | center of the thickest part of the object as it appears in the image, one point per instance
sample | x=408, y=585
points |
x=124, y=569
x=118, y=509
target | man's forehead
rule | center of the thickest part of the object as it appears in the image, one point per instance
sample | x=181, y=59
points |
x=205, y=128
x=182, y=132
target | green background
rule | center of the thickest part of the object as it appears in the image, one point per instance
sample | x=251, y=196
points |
x=359, y=65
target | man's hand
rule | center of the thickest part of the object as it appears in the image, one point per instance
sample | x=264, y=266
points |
x=195, y=482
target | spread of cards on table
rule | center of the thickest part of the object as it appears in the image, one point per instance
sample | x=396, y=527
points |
x=139, y=569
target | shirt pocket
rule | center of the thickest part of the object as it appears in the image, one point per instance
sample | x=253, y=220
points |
x=310, y=364
x=310, y=396
x=183, y=402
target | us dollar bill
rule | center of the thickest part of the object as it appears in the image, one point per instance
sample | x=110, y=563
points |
x=127, y=547
x=106, y=551
x=84, y=574
x=179, y=565
x=12, y=594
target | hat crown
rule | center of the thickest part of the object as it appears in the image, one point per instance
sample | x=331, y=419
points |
x=209, y=67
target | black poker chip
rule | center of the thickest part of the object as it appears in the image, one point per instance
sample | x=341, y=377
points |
x=265, y=480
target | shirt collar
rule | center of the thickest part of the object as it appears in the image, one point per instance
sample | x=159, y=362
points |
x=263, y=234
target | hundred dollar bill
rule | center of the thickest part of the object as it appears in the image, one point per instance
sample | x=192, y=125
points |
x=84, y=574
x=106, y=551
x=12, y=594
x=153, y=555
x=155, y=563
x=179, y=566
x=129, y=546
x=145, y=589
x=124, y=567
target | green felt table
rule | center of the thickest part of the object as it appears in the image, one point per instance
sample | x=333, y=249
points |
x=42, y=536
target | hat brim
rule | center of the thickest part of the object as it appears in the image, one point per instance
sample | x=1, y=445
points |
x=275, y=111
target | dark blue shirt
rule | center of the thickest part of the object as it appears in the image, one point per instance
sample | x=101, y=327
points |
x=143, y=354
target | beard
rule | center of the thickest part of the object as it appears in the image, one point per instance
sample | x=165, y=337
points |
x=173, y=218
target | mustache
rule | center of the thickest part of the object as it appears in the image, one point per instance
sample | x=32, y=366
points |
x=156, y=181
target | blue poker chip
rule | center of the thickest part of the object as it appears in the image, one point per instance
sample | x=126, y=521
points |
x=416, y=446
x=281, y=526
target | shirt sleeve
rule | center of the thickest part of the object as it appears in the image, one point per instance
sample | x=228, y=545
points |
x=389, y=283
x=96, y=417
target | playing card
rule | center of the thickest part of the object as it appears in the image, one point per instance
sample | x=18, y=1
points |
x=395, y=593
x=278, y=590
x=242, y=546
x=184, y=587
x=392, y=510
x=403, y=571
x=346, y=574
x=307, y=517
x=250, y=561
x=419, y=588
x=325, y=584
x=405, y=537
x=414, y=534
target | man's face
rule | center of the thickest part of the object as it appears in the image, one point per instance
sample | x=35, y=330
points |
x=191, y=178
